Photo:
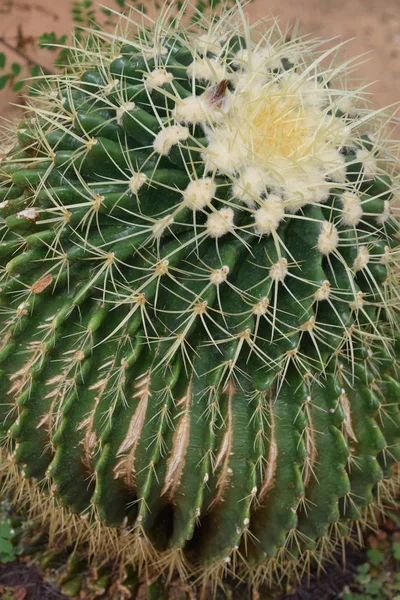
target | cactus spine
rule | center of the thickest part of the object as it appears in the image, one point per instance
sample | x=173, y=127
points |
x=199, y=299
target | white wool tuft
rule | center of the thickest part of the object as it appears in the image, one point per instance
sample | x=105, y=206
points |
x=109, y=87
x=248, y=85
x=336, y=131
x=158, y=78
x=207, y=69
x=249, y=186
x=300, y=192
x=314, y=95
x=333, y=164
x=258, y=61
x=121, y=110
x=261, y=308
x=385, y=215
x=279, y=270
x=328, y=239
x=168, y=137
x=362, y=259
x=199, y=193
x=346, y=105
x=136, y=181
x=368, y=161
x=189, y=110
x=224, y=153
x=161, y=225
x=196, y=109
x=271, y=213
x=207, y=42
x=220, y=222
x=242, y=58
x=218, y=276
x=310, y=92
x=323, y=292
x=358, y=301
x=153, y=53
x=303, y=186
x=352, y=210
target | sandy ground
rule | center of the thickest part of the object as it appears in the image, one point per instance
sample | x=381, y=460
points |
x=374, y=26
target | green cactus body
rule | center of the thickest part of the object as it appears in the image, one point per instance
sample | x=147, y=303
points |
x=199, y=299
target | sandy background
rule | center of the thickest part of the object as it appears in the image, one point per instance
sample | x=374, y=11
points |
x=375, y=25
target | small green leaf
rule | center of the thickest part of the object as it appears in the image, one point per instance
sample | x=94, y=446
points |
x=375, y=556
x=2, y=60
x=396, y=550
x=50, y=41
x=363, y=579
x=363, y=569
x=3, y=81
x=35, y=71
x=17, y=87
x=7, y=553
x=373, y=587
x=46, y=38
x=5, y=530
x=15, y=68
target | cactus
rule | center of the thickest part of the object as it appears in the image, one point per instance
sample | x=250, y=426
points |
x=199, y=299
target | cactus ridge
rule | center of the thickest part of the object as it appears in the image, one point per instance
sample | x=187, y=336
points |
x=199, y=292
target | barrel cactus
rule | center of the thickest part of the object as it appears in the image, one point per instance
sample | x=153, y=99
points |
x=199, y=299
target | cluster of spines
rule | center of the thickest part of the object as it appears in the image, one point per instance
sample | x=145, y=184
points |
x=165, y=331
x=67, y=566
